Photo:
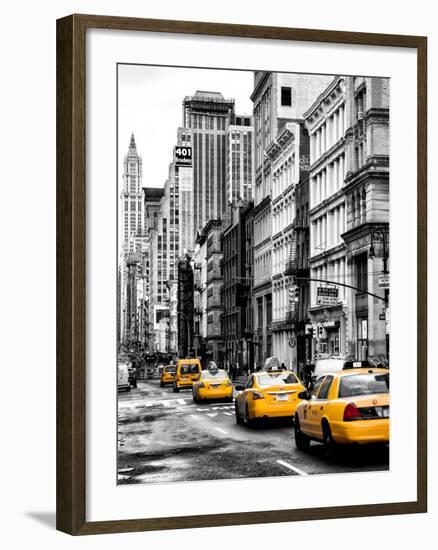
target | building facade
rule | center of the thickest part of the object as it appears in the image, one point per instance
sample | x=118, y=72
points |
x=367, y=216
x=185, y=305
x=326, y=122
x=239, y=164
x=200, y=296
x=289, y=157
x=214, y=343
x=236, y=290
x=208, y=115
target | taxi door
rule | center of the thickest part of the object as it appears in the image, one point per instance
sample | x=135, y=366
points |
x=242, y=398
x=307, y=421
x=320, y=406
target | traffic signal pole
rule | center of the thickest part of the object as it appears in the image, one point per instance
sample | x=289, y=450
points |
x=383, y=298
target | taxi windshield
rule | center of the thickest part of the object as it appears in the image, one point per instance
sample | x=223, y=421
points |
x=210, y=374
x=364, y=384
x=277, y=379
x=169, y=369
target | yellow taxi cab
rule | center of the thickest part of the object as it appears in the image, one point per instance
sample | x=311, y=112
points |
x=167, y=375
x=212, y=383
x=187, y=372
x=267, y=394
x=349, y=406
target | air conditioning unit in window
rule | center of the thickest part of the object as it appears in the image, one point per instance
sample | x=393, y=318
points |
x=360, y=115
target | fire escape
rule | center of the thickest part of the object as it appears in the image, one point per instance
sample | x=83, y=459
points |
x=297, y=266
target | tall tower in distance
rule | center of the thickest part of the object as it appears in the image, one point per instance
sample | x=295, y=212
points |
x=208, y=115
x=132, y=197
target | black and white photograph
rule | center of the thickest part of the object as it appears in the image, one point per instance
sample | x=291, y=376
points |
x=253, y=283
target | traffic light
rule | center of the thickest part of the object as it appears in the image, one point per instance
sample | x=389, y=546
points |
x=294, y=293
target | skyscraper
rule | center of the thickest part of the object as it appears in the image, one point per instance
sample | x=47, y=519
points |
x=132, y=201
x=208, y=115
x=240, y=166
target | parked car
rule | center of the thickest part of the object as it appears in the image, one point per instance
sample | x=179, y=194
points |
x=123, y=377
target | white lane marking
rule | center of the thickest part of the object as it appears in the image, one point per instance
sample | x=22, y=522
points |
x=212, y=415
x=228, y=414
x=202, y=410
x=221, y=431
x=293, y=468
x=181, y=401
x=221, y=407
x=165, y=403
x=195, y=416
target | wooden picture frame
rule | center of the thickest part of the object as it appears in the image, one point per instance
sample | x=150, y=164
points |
x=71, y=272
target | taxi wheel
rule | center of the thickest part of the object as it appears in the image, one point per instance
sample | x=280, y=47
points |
x=302, y=442
x=331, y=447
x=248, y=420
x=238, y=417
x=162, y=384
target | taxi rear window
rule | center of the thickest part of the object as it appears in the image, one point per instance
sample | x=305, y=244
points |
x=169, y=369
x=208, y=375
x=277, y=379
x=363, y=384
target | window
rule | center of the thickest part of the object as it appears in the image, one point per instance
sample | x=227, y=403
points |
x=316, y=388
x=325, y=387
x=286, y=96
x=363, y=384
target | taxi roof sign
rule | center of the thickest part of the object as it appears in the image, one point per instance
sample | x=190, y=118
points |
x=356, y=364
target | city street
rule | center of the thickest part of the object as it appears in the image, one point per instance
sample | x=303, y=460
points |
x=164, y=436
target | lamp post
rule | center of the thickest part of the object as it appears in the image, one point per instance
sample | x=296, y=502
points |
x=378, y=235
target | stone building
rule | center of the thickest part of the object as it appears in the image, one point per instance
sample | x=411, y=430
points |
x=349, y=214
x=326, y=122
x=289, y=157
x=277, y=98
x=367, y=220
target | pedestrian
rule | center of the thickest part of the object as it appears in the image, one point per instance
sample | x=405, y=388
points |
x=283, y=366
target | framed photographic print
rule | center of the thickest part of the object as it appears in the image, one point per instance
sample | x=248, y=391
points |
x=241, y=268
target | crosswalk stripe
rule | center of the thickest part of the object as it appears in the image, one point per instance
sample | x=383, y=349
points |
x=181, y=401
x=212, y=415
x=228, y=414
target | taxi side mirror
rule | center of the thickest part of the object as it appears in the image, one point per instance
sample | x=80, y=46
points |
x=239, y=387
x=303, y=395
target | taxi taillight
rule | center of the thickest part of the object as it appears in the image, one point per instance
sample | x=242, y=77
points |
x=257, y=395
x=351, y=412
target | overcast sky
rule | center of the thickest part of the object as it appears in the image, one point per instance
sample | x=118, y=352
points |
x=149, y=104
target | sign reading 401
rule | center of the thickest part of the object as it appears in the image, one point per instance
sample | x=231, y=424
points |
x=183, y=156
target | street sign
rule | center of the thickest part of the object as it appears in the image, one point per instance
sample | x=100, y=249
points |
x=292, y=342
x=382, y=316
x=384, y=281
x=326, y=296
x=183, y=156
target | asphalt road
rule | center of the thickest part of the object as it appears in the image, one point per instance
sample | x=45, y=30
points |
x=164, y=436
